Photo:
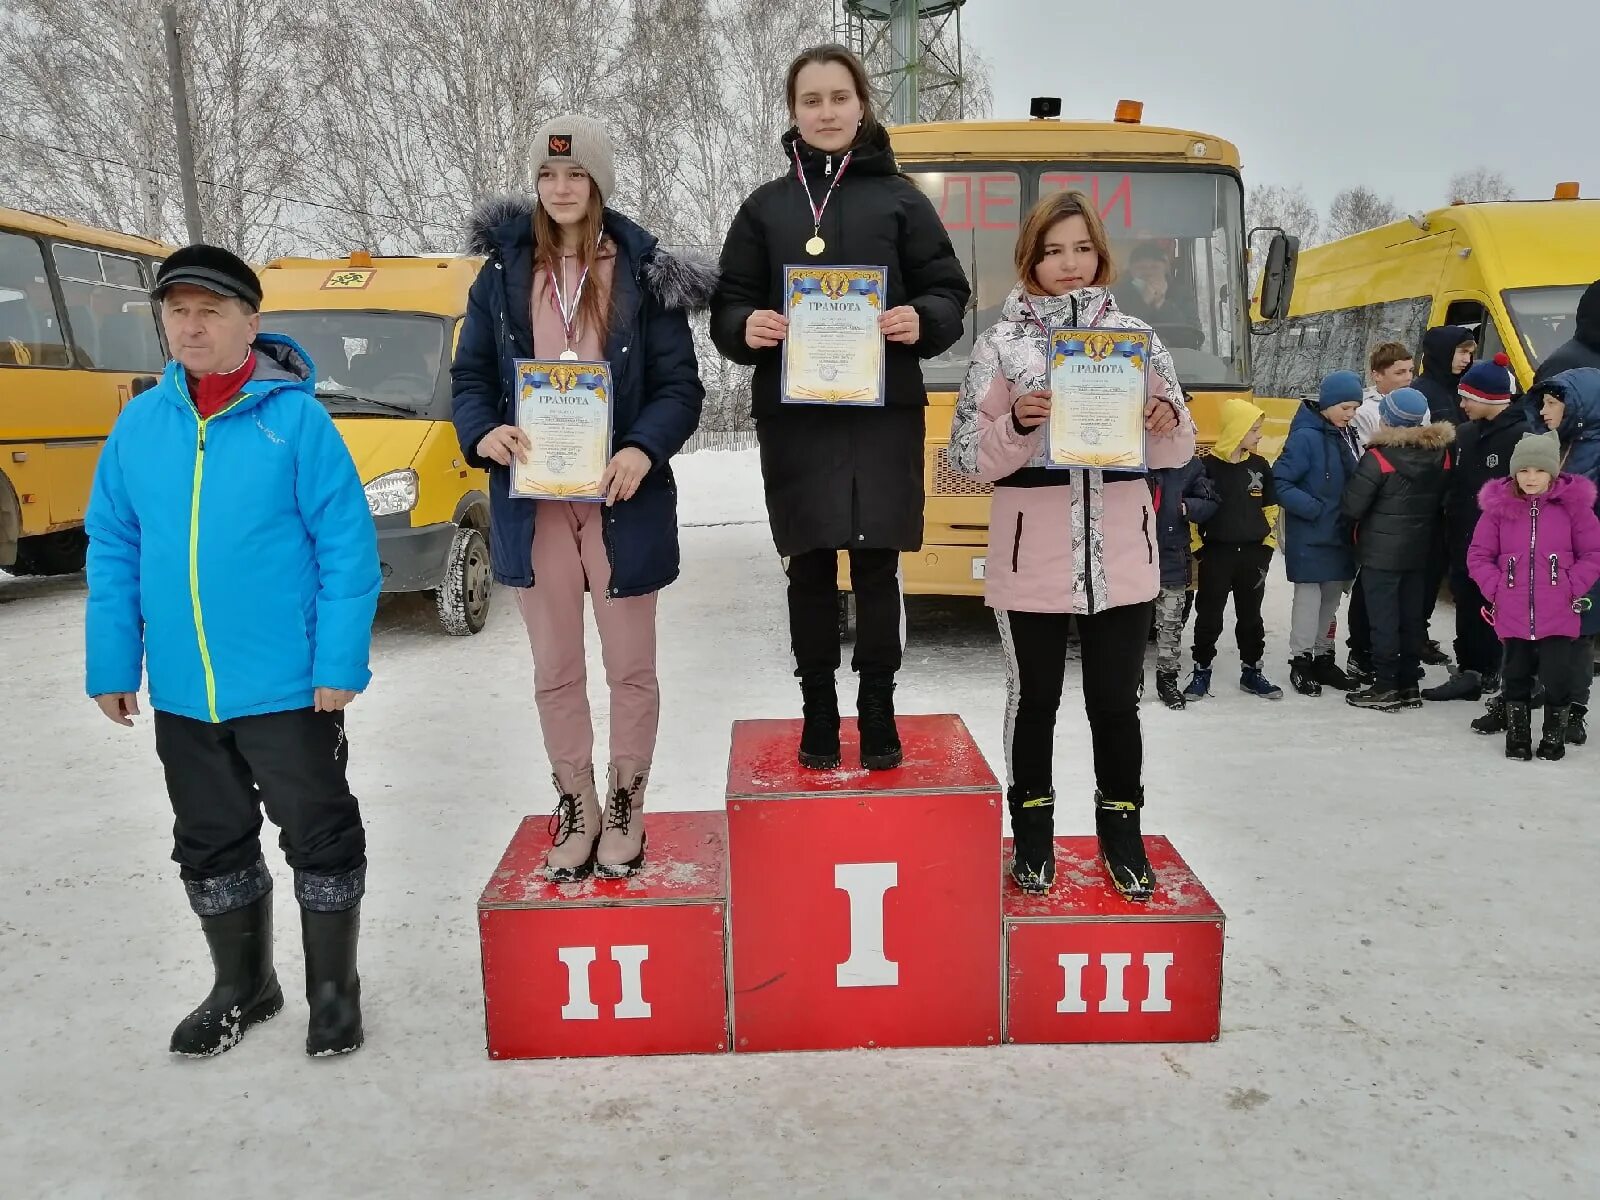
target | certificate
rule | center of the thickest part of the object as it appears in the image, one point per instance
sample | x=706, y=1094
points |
x=1098, y=390
x=833, y=353
x=565, y=409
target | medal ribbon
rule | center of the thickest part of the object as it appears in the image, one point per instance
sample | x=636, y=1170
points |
x=816, y=212
x=569, y=314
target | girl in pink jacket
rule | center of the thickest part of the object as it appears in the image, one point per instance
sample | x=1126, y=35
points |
x=1067, y=543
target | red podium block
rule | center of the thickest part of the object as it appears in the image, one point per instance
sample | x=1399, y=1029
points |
x=1085, y=965
x=865, y=905
x=609, y=966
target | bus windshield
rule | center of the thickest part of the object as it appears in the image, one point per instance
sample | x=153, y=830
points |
x=1177, y=237
x=362, y=357
x=1545, y=317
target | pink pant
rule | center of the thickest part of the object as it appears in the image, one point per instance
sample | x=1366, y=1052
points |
x=568, y=548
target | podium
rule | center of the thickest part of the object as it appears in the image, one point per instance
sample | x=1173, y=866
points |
x=865, y=904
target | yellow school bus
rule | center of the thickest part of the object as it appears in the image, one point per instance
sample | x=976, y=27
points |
x=1513, y=272
x=382, y=333
x=78, y=340
x=1173, y=202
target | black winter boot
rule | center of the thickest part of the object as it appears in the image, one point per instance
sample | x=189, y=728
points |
x=245, y=991
x=1519, y=732
x=1577, y=733
x=1122, y=846
x=1167, y=689
x=819, y=739
x=880, y=740
x=1463, y=685
x=1303, y=675
x=1033, y=844
x=1325, y=670
x=1553, y=738
x=1493, y=719
x=333, y=989
x=1359, y=668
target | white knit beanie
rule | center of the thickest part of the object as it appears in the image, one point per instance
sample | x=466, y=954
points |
x=581, y=142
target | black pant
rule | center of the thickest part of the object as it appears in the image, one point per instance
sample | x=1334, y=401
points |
x=1477, y=645
x=814, y=611
x=1553, y=660
x=1396, y=602
x=1583, y=671
x=1359, y=643
x=1237, y=570
x=220, y=776
x=1438, y=571
x=1113, y=668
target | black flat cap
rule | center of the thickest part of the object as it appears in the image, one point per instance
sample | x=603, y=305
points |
x=210, y=267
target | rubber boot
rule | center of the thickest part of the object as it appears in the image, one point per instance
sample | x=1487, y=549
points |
x=333, y=989
x=880, y=738
x=1033, y=844
x=1553, y=738
x=574, y=826
x=819, y=737
x=621, y=850
x=1122, y=846
x=245, y=989
x=1519, y=732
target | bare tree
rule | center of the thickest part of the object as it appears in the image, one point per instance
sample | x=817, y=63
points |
x=1273, y=206
x=1358, y=209
x=1480, y=185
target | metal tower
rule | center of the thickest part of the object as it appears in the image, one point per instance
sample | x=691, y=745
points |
x=912, y=49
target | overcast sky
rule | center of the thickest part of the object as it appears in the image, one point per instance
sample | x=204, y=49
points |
x=1395, y=94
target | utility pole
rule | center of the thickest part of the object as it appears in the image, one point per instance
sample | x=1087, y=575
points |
x=180, y=117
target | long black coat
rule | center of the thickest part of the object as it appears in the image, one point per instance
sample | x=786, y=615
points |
x=1396, y=497
x=842, y=477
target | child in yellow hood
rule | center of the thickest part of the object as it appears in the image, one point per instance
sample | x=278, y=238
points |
x=1235, y=553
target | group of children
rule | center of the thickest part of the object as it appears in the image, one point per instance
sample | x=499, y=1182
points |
x=1381, y=490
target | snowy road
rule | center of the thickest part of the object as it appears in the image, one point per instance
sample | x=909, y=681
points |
x=1410, y=1007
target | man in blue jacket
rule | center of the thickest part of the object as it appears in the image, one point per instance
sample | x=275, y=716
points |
x=232, y=553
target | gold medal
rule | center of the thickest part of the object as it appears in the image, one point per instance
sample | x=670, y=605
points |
x=816, y=246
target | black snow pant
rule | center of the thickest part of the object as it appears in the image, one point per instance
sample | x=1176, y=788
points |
x=1583, y=671
x=1553, y=660
x=814, y=611
x=1396, y=607
x=1477, y=646
x=1359, y=642
x=219, y=777
x=1035, y=646
x=1238, y=570
x=1437, y=572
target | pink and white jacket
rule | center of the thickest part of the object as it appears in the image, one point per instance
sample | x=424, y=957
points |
x=1059, y=541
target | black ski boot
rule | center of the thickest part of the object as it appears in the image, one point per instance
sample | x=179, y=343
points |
x=1122, y=846
x=1325, y=670
x=1493, y=718
x=1167, y=689
x=880, y=740
x=1303, y=675
x=819, y=738
x=1553, y=738
x=1577, y=733
x=1033, y=845
x=245, y=991
x=333, y=989
x=1519, y=732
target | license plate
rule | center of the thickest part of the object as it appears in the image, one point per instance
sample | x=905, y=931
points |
x=979, y=567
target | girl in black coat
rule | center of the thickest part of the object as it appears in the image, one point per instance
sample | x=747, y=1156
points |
x=841, y=478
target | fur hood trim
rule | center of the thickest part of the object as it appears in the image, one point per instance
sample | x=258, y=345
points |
x=1437, y=436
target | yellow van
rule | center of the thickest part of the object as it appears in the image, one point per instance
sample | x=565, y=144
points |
x=382, y=333
x=78, y=340
x=1513, y=272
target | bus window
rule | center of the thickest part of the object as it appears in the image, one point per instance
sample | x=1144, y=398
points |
x=30, y=327
x=108, y=310
x=1545, y=317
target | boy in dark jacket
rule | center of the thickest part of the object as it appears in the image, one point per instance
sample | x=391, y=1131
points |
x=1181, y=495
x=1395, y=500
x=1583, y=348
x=1447, y=352
x=1235, y=553
x=1484, y=443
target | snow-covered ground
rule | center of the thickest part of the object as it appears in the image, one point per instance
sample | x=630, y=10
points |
x=1410, y=1007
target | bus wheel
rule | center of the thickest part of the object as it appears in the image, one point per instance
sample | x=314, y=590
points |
x=463, y=597
x=60, y=553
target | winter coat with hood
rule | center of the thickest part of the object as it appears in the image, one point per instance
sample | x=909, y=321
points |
x=1435, y=379
x=236, y=555
x=1535, y=557
x=655, y=380
x=1184, y=496
x=1583, y=348
x=1060, y=541
x=1579, y=390
x=1396, y=497
x=1311, y=474
x=1483, y=452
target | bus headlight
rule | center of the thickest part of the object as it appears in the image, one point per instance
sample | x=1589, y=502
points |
x=392, y=492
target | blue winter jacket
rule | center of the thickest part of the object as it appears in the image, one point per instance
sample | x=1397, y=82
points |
x=655, y=378
x=235, y=555
x=1316, y=463
x=1579, y=390
x=1173, y=489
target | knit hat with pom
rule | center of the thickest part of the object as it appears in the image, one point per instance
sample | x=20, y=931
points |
x=1488, y=382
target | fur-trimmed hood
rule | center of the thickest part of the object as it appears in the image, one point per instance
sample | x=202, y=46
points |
x=1566, y=491
x=1440, y=435
x=681, y=282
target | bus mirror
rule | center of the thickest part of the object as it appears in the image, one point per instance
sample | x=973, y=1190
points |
x=1277, y=279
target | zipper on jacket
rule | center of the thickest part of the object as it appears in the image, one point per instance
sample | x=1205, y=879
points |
x=1149, y=546
x=1511, y=571
x=1088, y=538
x=1555, y=576
x=1533, y=542
x=611, y=558
x=201, y=424
x=828, y=167
x=1016, y=545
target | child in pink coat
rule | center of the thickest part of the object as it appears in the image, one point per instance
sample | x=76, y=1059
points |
x=1067, y=543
